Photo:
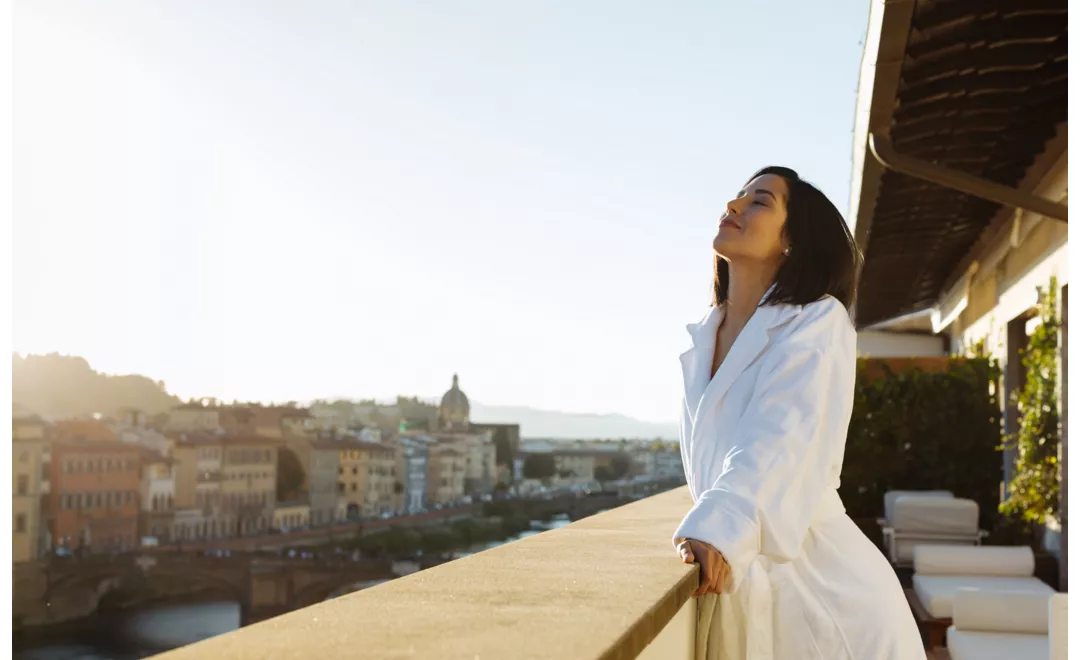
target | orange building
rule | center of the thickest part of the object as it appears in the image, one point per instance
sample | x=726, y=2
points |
x=95, y=484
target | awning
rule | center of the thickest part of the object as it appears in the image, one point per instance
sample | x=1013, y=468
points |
x=979, y=88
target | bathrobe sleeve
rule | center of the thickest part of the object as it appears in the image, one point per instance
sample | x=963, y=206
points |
x=787, y=446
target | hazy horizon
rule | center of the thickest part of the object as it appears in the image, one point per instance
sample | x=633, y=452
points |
x=280, y=201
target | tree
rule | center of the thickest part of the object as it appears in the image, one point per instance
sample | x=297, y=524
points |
x=290, y=475
x=539, y=466
x=604, y=474
x=620, y=466
x=504, y=453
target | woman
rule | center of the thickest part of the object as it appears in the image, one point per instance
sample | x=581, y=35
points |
x=769, y=382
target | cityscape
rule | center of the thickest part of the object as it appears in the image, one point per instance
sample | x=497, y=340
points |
x=213, y=480
x=436, y=330
x=216, y=471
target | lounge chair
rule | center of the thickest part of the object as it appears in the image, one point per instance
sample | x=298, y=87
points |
x=893, y=495
x=1001, y=625
x=941, y=571
x=927, y=519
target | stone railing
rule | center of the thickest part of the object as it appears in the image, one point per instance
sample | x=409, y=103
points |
x=609, y=586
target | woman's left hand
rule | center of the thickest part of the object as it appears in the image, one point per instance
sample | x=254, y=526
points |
x=714, y=568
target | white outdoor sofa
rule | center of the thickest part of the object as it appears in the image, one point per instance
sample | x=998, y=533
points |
x=1004, y=625
x=942, y=571
x=914, y=518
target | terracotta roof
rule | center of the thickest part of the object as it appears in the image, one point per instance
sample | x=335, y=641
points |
x=223, y=440
x=150, y=456
x=82, y=431
x=299, y=412
x=445, y=450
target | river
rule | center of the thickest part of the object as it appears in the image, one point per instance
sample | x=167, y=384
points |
x=161, y=628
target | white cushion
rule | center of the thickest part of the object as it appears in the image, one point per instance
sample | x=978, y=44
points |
x=905, y=548
x=996, y=646
x=892, y=495
x=987, y=560
x=935, y=515
x=936, y=592
x=1059, y=627
x=976, y=610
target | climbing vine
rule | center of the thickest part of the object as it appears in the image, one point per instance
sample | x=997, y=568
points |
x=1033, y=491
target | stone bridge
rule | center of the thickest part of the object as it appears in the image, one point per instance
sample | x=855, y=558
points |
x=60, y=590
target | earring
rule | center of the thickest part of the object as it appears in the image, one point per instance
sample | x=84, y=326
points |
x=787, y=251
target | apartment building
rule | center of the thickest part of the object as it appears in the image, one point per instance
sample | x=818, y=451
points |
x=446, y=474
x=28, y=447
x=249, y=483
x=95, y=488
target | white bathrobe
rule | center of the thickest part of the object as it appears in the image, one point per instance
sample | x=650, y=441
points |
x=762, y=446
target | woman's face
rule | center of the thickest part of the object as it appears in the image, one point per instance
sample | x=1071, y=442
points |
x=752, y=226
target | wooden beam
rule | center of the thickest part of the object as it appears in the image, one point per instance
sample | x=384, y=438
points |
x=883, y=151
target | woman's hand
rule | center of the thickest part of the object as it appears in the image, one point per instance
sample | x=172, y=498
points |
x=714, y=568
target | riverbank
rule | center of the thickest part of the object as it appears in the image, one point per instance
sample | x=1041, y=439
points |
x=158, y=625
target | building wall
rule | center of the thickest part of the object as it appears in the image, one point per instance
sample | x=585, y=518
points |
x=158, y=486
x=669, y=464
x=193, y=419
x=198, y=487
x=871, y=343
x=95, y=495
x=446, y=475
x=185, y=470
x=581, y=467
x=382, y=478
x=249, y=484
x=413, y=466
x=297, y=425
x=998, y=297
x=479, y=453
x=291, y=516
x=322, y=476
x=28, y=445
x=1004, y=285
x=352, y=478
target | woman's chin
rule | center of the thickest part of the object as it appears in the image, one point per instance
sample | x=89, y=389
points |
x=721, y=246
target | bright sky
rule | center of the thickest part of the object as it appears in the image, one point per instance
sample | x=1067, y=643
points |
x=293, y=200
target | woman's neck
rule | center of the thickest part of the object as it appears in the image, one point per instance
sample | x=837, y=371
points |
x=747, y=285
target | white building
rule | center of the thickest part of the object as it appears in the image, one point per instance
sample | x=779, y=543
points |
x=157, y=495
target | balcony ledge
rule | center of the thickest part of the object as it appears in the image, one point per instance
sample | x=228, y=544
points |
x=603, y=587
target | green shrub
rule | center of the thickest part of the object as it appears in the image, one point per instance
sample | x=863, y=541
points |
x=920, y=430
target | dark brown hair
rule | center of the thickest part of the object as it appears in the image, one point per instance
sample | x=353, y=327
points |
x=824, y=259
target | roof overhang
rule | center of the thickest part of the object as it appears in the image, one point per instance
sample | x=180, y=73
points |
x=966, y=103
x=879, y=77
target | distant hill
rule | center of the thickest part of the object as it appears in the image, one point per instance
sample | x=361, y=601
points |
x=56, y=386
x=552, y=424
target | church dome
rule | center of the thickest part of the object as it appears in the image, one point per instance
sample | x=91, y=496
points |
x=454, y=409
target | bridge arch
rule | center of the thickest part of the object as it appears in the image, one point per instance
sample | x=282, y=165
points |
x=104, y=581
